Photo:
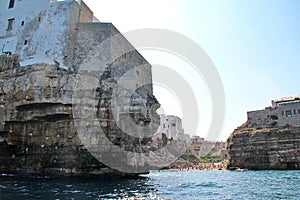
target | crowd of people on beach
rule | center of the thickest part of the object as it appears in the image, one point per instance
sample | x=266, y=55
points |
x=205, y=166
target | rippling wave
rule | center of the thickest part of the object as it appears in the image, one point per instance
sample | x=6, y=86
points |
x=160, y=185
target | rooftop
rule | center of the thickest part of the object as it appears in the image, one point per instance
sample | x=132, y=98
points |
x=286, y=99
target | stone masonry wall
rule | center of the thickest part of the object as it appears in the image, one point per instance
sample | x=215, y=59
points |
x=124, y=82
x=276, y=116
x=283, y=119
x=9, y=62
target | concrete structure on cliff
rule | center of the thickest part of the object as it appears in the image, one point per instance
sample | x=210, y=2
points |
x=47, y=47
x=285, y=111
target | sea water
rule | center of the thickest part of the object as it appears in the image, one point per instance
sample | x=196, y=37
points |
x=215, y=184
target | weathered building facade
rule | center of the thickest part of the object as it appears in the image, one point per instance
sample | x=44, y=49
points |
x=47, y=47
x=171, y=126
x=41, y=31
x=285, y=111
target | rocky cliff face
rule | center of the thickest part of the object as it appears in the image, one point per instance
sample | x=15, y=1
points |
x=264, y=148
x=37, y=131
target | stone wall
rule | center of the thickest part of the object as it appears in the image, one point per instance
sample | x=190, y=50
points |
x=288, y=114
x=9, y=62
x=125, y=86
x=86, y=15
x=284, y=118
x=101, y=46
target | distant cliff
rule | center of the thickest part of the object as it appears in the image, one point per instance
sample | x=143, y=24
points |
x=264, y=148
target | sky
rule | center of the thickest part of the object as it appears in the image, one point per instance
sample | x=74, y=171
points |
x=254, y=45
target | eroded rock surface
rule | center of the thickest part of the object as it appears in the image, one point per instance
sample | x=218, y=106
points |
x=38, y=135
x=265, y=148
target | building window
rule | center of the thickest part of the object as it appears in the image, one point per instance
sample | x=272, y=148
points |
x=282, y=113
x=298, y=111
x=11, y=3
x=173, y=125
x=39, y=19
x=22, y=23
x=10, y=24
x=294, y=112
x=25, y=42
x=274, y=117
x=288, y=113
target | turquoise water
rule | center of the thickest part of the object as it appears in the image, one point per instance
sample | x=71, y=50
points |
x=162, y=185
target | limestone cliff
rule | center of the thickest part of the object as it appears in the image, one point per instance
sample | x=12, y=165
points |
x=37, y=131
x=275, y=148
x=76, y=98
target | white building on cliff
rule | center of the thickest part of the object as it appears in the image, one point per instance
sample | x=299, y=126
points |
x=41, y=31
x=171, y=126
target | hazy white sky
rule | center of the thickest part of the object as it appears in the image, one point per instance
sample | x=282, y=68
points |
x=255, y=46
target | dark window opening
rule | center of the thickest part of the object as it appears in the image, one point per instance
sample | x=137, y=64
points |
x=274, y=117
x=25, y=42
x=11, y=3
x=282, y=113
x=10, y=24
x=39, y=19
x=288, y=113
x=294, y=112
x=298, y=111
x=22, y=23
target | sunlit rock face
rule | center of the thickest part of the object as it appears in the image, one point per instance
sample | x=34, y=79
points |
x=264, y=148
x=38, y=134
